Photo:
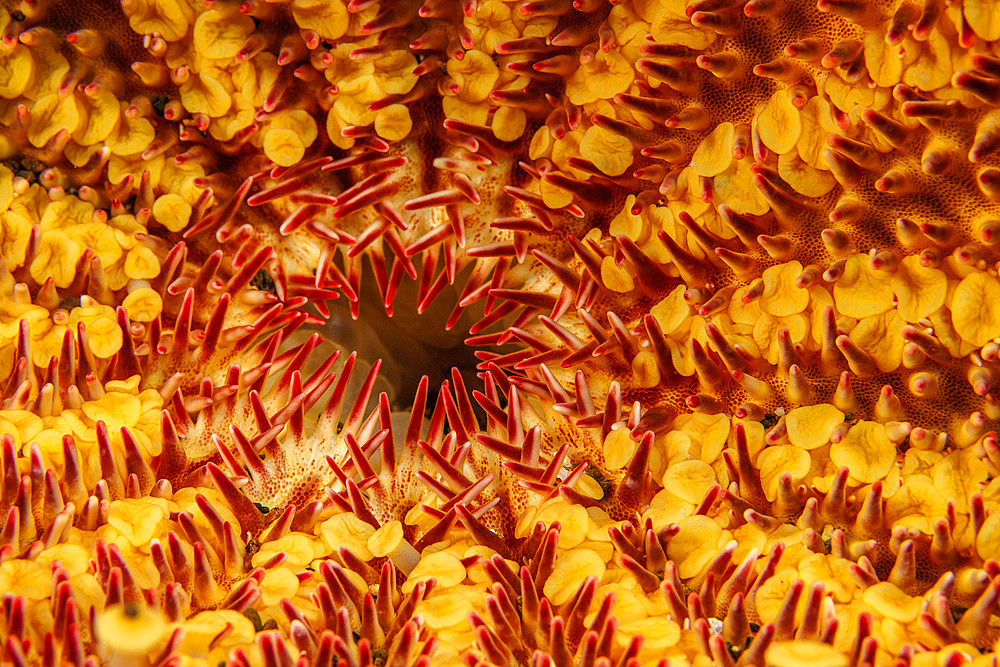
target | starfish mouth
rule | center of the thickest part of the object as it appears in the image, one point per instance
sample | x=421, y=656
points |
x=409, y=343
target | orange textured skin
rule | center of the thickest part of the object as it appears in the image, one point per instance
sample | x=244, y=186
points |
x=728, y=269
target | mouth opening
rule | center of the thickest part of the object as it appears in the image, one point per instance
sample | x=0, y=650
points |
x=410, y=344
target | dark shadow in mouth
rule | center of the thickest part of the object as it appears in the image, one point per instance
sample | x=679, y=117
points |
x=410, y=344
